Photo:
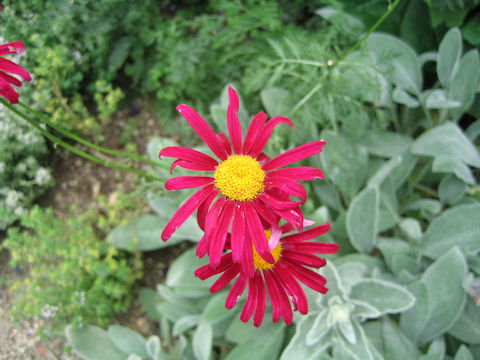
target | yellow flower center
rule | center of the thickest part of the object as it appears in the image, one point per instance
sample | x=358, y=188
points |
x=258, y=262
x=240, y=178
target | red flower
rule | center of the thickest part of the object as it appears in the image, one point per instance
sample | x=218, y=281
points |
x=292, y=254
x=253, y=188
x=7, y=66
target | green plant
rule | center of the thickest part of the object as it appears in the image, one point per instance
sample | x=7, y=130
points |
x=73, y=274
x=22, y=176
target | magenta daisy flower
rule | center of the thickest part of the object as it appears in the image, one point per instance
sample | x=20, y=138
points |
x=280, y=280
x=7, y=66
x=246, y=187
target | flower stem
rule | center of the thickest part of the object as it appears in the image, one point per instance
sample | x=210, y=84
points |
x=390, y=9
x=88, y=143
x=73, y=149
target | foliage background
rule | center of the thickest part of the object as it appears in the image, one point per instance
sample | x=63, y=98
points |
x=400, y=117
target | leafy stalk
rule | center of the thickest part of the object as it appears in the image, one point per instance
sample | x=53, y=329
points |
x=88, y=143
x=73, y=149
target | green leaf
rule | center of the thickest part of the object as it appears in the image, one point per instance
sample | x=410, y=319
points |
x=446, y=164
x=143, y=234
x=428, y=206
x=297, y=349
x=437, y=99
x=471, y=31
x=362, y=219
x=463, y=354
x=93, y=343
x=215, y=310
x=154, y=347
x=394, y=339
x=451, y=189
x=463, y=84
x=181, y=275
x=399, y=255
x=467, y=327
x=265, y=346
x=411, y=228
x=414, y=320
x=384, y=296
x=361, y=349
x=273, y=99
x=449, y=53
x=386, y=144
x=128, y=341
x=345, y=163
x=185, y=323
x=149, y=300
x=119, y=53
x=328, y=194
x=397, y=61
x=400, y=96
x=202, y=341
x=457, y=226
x=448, y=140
x=384, y=171
x=445, y=298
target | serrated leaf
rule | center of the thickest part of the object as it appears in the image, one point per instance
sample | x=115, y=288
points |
x=93, y=343
x=449, y=53
x=467, y=327
x=127, y=340
x=448, y=140
x=384, y=296
x=362, y=219
x=457, y=226
x=202, y=341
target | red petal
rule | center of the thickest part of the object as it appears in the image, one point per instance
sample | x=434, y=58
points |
x=203, y=209
x=310, y=278
x=238, y=233
x=206, y=271
x=255, y=229
x=202, y=247
x=275, y=203
x=266, y=213
x=293, y=216
x=194, y=156
x=249, y=306
x=187, y=209
x=296, y=154
x=304, y=259
x=233, y=124
x=211, y=219
x=236, y=291
x=261, y=300
x=253, y=130
x=217, y=241
x=308, y=234
x=226, y=144
x=265, y=134
x=203, y=130
x=187, y=182
x=312, y=247
x=190, y=166
x=297, y=173
x=225, y=278
x=11, y=67
x=289, y=186
x=292, y=287
x=247, y=260
x=15, y=47
x=10, y=79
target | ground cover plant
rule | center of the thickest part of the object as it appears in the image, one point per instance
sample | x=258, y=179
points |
x=347, y=224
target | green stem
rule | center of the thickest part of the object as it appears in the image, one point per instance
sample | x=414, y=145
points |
x=88, y=143
x=73, y=149
x=372, y=29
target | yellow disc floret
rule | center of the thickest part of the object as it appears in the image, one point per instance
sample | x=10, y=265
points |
x=258, y=262
x=240, y=178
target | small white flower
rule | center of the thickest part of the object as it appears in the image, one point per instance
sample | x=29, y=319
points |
x=12, y=198
x=48, y=311
x=42, y=176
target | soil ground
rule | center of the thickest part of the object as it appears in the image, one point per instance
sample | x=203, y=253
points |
x=80, y=182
